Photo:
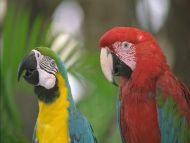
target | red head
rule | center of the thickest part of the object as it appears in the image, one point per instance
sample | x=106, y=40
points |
x=128, y=50
x=132, y=35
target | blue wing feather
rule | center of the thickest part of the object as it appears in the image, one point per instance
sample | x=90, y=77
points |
x=173, y=99
x=80, y=129
x=173, y=126
x=118, y=118
x=34, y=140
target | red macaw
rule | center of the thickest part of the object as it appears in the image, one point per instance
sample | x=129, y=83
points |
x=154, y=104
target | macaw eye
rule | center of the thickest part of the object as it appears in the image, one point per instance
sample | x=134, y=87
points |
x=52, y=64
x=126, y=45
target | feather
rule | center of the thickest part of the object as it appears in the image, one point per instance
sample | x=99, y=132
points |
x=171, y=86
x=173, y=109
x=80, y=129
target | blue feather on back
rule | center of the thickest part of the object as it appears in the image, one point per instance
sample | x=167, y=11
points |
x=173, y=126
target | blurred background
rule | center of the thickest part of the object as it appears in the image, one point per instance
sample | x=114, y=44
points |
x=72, y=28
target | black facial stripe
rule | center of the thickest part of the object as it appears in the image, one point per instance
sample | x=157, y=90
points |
x=46, y=58
x=46, y=65
x=48, y=71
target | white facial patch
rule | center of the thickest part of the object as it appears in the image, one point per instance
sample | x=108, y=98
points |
x=106, y=62
x=47, y=78
x=126, y=53
x=38, y=55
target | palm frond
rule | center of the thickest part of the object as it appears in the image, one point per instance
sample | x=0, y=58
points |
x=15, y=43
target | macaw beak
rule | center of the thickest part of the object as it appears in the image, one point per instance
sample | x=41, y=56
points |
x=112, y=66
x=29, y=64
x=106, y=62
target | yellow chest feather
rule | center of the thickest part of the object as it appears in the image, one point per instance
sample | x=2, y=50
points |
x=52, y=122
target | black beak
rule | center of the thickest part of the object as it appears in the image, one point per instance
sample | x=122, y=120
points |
x=120, y=68
x=29, y=64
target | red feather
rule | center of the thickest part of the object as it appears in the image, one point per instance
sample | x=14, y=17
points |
x=133, y=35
x=138, y=115
x=171, y=86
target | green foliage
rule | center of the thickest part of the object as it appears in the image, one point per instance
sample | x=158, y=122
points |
x=18, y=38
x=100, y=103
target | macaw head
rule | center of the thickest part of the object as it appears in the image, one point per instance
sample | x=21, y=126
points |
x=125, y=51
x=41, y=68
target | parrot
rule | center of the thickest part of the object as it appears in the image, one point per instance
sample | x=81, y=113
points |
x=154, y=106
x=58, y=120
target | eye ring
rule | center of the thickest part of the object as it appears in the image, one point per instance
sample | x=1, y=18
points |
x=126, y=44
x=52, y=64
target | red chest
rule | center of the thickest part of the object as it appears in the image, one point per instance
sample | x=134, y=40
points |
x=139, y=123
x=138, y=116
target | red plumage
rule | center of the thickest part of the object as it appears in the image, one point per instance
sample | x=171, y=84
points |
x=138, y=107
x=133, y=35
x=170, y=85
x=138, y=116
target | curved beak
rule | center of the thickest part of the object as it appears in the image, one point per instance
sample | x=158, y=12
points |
x=106, y=61
x=112, y=66
x=29, y=64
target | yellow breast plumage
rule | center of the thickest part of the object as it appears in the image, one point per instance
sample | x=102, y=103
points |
x=52, y=122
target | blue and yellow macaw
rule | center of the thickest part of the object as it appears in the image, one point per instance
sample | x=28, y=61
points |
x=58, y=121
